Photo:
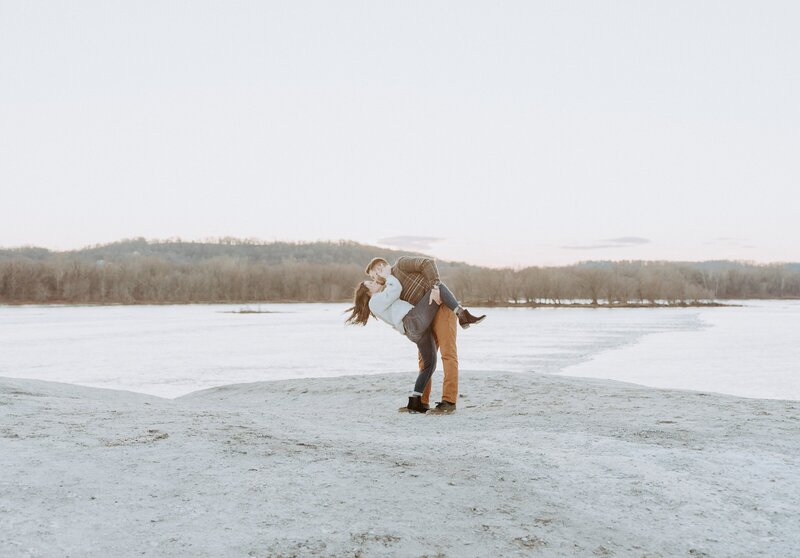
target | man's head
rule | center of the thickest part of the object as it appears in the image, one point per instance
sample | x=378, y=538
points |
x=378, y=269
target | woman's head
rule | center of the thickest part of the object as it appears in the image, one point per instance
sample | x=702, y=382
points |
x=360, y=312
x=373, y=286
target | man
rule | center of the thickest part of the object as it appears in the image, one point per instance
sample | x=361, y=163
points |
x=417, y=276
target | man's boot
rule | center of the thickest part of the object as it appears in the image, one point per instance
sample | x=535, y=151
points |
x=443, y=408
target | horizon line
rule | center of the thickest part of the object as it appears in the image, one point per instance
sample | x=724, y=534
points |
x=218, y=240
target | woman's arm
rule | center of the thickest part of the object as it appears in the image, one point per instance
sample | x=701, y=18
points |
x=384, y=299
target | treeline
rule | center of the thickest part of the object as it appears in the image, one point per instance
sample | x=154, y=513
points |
x=154, y=280
x=181, y=251
x=625, y=283
x=141, y=272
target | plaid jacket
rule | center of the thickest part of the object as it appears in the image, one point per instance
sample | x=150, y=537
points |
x=417, y=276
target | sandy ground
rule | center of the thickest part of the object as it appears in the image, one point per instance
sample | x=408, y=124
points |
x=530, y=465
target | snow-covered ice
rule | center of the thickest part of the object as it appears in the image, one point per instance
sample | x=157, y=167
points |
x=534, y=462
x=169, y=351
x=749, y=351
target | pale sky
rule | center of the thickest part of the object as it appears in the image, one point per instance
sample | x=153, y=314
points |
x=496, y=133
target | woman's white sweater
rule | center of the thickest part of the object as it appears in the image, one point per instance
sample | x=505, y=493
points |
x=387, y=306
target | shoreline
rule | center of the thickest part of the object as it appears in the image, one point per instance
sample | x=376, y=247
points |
x=608, y=382
x=474, y=304
x=529, y=464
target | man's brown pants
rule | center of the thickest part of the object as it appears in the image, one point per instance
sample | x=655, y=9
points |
x=444, y=328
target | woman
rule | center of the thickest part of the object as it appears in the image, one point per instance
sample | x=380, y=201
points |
x=383, y=301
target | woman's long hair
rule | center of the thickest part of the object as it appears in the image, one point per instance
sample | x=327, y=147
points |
x=360, y=312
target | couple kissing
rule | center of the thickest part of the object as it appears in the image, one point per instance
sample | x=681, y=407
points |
x=411, y=298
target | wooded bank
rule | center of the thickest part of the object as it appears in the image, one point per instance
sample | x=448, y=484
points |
x=152, y=273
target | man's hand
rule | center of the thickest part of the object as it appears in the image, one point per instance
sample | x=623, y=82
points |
x=435, y=296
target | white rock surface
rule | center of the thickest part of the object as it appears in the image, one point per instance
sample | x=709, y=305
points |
x=529, y=466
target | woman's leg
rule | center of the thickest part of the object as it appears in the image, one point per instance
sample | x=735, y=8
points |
x=427, y=349
x=448, y=298
x=421, y=316
x=465, y=319
x=419, y=319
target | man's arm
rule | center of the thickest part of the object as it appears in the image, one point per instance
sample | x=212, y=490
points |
x=425, y=266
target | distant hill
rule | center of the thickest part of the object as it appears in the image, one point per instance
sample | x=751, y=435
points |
x=138, y=271
x=708, y=265
x=182, y=252
x=329, y=252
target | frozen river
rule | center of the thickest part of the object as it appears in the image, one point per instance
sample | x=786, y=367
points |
x=751, y=351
